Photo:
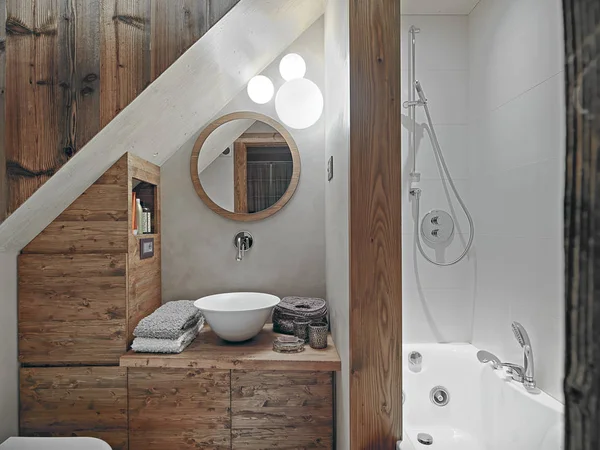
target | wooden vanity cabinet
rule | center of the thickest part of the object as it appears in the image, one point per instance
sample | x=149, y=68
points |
x=281, y=410
x=229, y=409
x=179, y=409
x=218, y=395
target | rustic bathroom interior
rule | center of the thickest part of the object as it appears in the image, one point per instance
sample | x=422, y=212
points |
x=293, y=224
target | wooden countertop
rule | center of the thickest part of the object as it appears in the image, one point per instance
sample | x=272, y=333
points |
x=208, y=351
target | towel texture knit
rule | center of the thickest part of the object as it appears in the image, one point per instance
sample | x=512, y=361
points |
x=170, y=321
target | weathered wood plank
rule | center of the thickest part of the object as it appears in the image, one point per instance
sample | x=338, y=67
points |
x=176, y=25
x=94, y=342
x=3, y=184
x=72, y=308
x=266, y=405
x=81, y=237
x=33, y=60
x=86, y=110
x=75, y=401
x=124, y=53
x=179, y=408
x=218, y=8
x=96, y=222
x=375, y=221
x=581, y=221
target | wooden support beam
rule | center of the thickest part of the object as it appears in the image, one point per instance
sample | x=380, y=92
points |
x=3, y=184
x=582, y=220
x=375, y=225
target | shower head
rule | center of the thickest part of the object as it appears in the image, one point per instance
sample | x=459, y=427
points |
x=520, y=334
x=420, y=92
x=414, y=30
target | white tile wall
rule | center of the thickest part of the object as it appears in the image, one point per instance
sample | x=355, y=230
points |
x=516, y=172
x=495, y=86
x=438, y=304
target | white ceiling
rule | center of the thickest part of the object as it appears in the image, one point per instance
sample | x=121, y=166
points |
x=438, y=6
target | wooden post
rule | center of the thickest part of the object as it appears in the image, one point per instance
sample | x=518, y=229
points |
x=582, y=224
x=375, y=225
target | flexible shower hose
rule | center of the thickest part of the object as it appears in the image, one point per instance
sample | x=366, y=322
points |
x=417, y=195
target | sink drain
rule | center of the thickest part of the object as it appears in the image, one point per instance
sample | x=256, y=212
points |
x=425, y=439
x=439, y=396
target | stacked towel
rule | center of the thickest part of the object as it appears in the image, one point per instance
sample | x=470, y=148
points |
x=169, y=329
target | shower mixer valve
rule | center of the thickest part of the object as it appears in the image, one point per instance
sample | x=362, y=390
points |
x=437, y=227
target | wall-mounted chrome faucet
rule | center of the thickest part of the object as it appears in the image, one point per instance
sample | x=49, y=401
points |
x=243, y=242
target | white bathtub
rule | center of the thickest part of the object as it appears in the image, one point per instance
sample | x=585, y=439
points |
x=486, y=411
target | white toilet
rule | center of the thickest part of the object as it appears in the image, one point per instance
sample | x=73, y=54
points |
x=54, y=443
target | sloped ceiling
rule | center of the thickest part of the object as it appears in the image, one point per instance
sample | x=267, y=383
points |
x=178, y=104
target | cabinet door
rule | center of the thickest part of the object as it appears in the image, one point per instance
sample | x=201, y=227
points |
x=75, y=401
x=282, y=410
x=179, y=409
x=72, y=308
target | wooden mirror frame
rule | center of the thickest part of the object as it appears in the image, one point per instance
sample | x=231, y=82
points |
x=239, y=216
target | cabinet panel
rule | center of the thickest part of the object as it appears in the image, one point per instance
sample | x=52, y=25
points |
x=179, y=408
x=72, y=308
x=75, y=401
x=283, y=410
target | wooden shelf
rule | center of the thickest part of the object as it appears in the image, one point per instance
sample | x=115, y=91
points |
x=208, y=351
x=151, y=235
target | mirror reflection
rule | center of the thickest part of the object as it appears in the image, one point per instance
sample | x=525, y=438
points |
x=245, y=166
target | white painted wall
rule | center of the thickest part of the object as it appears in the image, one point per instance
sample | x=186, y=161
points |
x=516, y=156
x=288, y=256
x=337, y=139
x=9, y=367
x=437, y=301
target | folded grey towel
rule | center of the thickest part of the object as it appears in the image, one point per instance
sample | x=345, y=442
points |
x=150, y=345
x=169, y=321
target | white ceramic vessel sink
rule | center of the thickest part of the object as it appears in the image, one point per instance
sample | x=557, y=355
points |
x=237, y=316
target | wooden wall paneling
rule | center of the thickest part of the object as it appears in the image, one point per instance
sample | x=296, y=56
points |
x=283, y=410
x=72, y=309
x=85, y=116
x=56, y=401
x=78, y=47
x=94, y=223
x=179, y=408
x=176, y=25
x=375, y=225
x=218, y=8
x=33, y=59
x=3, y=184
x=125, y=54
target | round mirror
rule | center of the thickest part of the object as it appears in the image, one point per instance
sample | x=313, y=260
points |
x=245, y=166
